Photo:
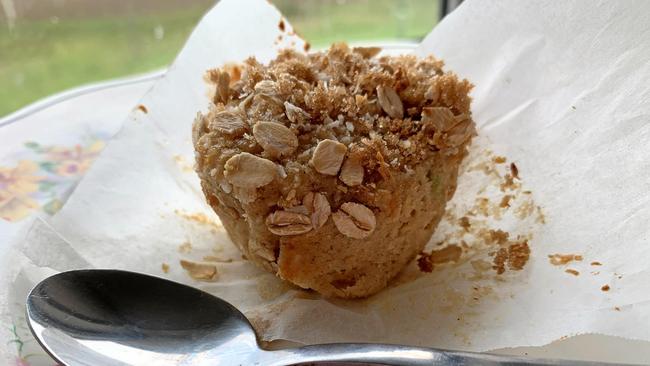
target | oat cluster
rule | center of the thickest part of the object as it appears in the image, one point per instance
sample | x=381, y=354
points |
x=345, y=114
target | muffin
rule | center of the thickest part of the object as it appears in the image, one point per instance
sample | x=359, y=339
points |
x=332, y=169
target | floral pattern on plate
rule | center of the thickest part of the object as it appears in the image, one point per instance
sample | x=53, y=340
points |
x=44, y=177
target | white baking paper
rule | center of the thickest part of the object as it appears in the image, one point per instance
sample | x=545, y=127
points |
x=562, y=89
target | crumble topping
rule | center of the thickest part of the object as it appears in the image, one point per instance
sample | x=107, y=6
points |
x=345, y=113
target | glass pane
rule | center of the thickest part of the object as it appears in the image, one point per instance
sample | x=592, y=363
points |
x=322, y=22
x=53, y=45
x=47, y=46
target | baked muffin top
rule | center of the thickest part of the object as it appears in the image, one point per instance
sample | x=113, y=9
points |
x=383, y=113
x=337, y=123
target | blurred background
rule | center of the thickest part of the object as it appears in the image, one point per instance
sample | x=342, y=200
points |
x=47, y=46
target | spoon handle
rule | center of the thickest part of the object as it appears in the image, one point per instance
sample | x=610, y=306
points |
x=386, y=354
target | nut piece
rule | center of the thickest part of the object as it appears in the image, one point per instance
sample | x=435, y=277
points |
x=275, y=138
x=390, y=102
x=319, y=207
x=288, y=223
x=328, y=157
x=200, y=271
x=249, y=171
x=442, y=118
x=229, y=123
x=266, y=87
x=354, y=220
x=352, y=172
x=295, y=114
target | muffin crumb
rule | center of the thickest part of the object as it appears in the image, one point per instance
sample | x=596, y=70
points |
x=572, y=271
x=200, y=271
x=562, y=259
x=514, y=170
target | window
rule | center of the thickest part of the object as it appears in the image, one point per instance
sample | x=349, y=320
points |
x=47, y=46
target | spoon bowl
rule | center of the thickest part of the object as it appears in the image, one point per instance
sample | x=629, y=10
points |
x=111, y=317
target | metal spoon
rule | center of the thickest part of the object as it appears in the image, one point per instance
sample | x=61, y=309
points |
x=110, y=317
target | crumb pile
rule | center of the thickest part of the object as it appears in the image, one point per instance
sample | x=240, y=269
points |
x=333, y=169
x=478, y=230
